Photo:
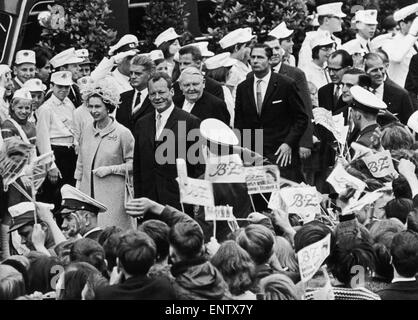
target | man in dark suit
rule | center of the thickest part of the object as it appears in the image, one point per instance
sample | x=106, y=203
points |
x=159, y=138
x=411, y=83
x=397, y=99
x=198, y=102
x=135, y=256
x=190, y=56
x=135, y=103
x=404, y=285
x=271, y=102
x=306, y=143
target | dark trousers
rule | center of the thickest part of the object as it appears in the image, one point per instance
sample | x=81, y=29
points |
x=65, y=159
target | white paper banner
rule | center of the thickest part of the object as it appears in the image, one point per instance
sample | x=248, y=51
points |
x=302, y=201
x=341, y=180
x=219, y=213
x=225, y=169
x=380, y=164
x=196, y=191
x=262, y=179
x=311, y=258
x=368, y=198
x=181, y=169
x=275, y=201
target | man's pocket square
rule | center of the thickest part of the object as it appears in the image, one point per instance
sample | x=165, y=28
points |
x=277, y=101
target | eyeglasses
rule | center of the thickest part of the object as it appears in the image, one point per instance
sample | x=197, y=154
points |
x=326, y=49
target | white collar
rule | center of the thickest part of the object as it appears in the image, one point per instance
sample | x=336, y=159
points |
x=166, y=113
x=403, y=279
x=278, y=67
x=266, y=78
x=91, y=231
x=361, y=39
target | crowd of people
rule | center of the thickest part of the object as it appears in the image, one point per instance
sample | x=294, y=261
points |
x=110, y=220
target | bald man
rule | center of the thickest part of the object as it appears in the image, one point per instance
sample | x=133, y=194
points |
x=199, y=102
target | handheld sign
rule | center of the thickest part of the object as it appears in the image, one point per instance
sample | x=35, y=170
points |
x=262, y=179
x=219, y=213
x=380, y=164
x=196, y=191
x=225, y=169
x=181, y=169
x=341, y=180
x=368, y=198
x=303, y=201
x=275, y=202
x=311, y=257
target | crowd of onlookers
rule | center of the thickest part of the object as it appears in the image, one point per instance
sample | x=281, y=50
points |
x=117, y=229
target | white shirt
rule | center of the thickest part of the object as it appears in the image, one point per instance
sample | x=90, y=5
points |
x=357, y=44
x=237, y=74
x=379, y=91
x=188, y=106
x=164, y=117
x=264, y=84
x=317, y=75
x=397, y=279
x=400, y=50
x=121, y=81
x=144, y=94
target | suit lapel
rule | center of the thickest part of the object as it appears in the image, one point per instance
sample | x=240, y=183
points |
x=270, y=90
x=144, y=108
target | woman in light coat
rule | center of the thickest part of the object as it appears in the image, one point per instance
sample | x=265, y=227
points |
x=105, y=155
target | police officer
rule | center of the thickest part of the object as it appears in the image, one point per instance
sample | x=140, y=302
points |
x=364, y=111
x=79, y=213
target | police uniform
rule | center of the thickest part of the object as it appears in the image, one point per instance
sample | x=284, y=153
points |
x=366, y=101
x=74, y=200
x=401, y=48
x=54, y=132
x=305, y=53
x=128, y=42
x=359, y=43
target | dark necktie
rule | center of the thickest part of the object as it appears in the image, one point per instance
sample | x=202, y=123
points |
x=137, y=100
x=336, y=94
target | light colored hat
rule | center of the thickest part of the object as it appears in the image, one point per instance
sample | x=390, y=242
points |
x=22, y=93
x=405, y=12
x=240, y=35
x=413, y=121
x=129, y=41
x=216, y=131
x=105, y=88
x=62, y=78
x=366, y=16
x=203, y=47
x=83, y=54
x=25, y=56
x=367, y=98
x=281, y=31
x=155, y=55
x=331, y=9
x=73, y=198
x=22, y=214
x=167, y=35
x=322, y=39
x=34, y=85
x=65, y=57
x=220, y=60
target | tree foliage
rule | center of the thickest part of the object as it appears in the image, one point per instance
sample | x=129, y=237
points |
x=162, y=14
x=79, y=24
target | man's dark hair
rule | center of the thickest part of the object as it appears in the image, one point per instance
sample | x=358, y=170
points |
x=401, y=188
x=399, y=208
x=408, y=19
x=267, y=49
x=136, y=252
x=193, y=50
x=110, y=247
x=350, y=252
x=404, y=251
x=187, y=239
x=158, y=231
x=42, y=56
x=89, y=250
x=161, y=75
x=310, y=233
x=346, y=58
x=354, y=71
x=258, y=241
x=322, y=18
